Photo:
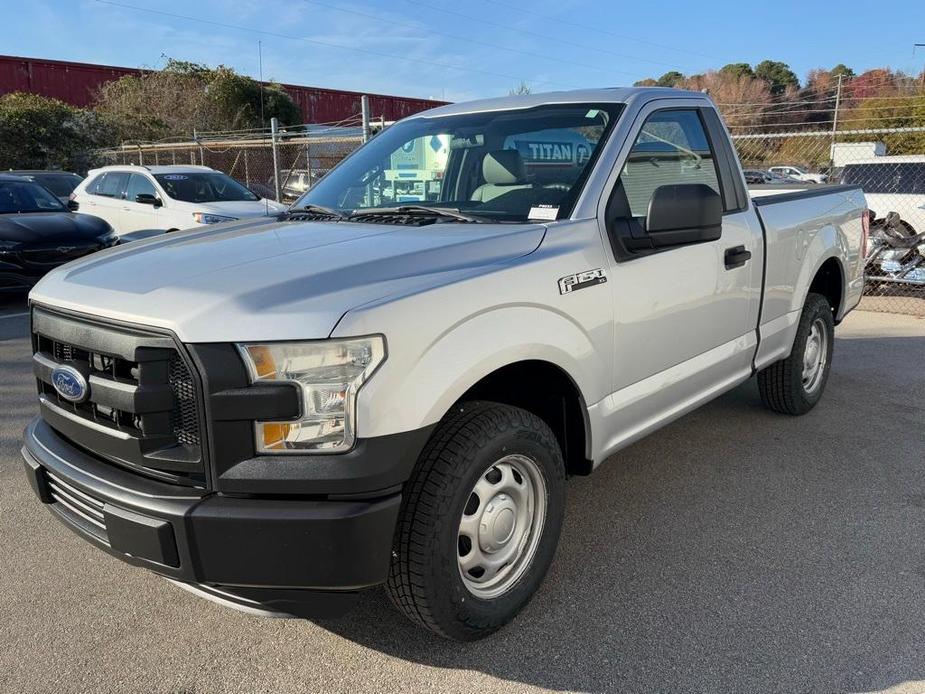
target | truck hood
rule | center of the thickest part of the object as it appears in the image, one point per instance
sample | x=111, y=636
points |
x=272, y=280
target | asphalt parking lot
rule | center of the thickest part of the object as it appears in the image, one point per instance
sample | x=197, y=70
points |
x=736, y=550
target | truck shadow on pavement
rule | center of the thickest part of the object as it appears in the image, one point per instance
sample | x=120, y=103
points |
x=735, y=550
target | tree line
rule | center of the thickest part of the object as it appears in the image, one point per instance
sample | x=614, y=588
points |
x=770, y=93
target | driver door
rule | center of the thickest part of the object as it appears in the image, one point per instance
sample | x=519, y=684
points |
x=685, y=316
x=137, y=215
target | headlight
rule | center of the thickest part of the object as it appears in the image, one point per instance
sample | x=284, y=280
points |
x=8, y=247
x=329, y=373
x=207, y=218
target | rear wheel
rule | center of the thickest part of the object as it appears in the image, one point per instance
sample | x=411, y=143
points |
x=794, y=385
x=479, y=521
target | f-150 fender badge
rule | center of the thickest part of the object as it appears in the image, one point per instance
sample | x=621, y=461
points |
x=581, y=280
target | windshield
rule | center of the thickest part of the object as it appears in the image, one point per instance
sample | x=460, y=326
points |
x=506, y=166
x=203, y=187
x=61, y=184
x=25, y=196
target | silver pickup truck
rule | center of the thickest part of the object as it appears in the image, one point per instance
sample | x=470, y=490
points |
x=390, y=383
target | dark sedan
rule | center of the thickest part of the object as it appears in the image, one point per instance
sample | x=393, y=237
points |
x=61, y=183
x=39, y=233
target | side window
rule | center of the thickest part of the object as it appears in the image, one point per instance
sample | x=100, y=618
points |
x=139, y=184
x=93, y=187
x=112, y=185
x=671, y=148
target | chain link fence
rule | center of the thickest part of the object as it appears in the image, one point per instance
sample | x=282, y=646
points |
x=276, y=165
x=894, y=186
x=283, y=165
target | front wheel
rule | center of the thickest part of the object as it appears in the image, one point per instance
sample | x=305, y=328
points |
x=794, y=385
x=479, y=522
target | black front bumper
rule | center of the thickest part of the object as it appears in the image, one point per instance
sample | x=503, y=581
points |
x=306, y=556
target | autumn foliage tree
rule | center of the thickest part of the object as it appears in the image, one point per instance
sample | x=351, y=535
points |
x=185, y=97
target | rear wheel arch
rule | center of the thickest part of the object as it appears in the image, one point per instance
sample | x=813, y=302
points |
x=829, y=282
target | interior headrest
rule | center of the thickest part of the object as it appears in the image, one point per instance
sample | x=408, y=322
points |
x=503, y=167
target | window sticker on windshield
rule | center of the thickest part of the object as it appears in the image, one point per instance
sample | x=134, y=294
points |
x=175, y=177
x=546, y=213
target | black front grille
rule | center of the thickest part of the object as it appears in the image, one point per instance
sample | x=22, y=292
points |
x=142, y=408
x=78, y=507
x=57, y=255
x=184, y=417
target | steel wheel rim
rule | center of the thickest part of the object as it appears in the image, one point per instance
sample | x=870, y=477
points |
x=815, y=355
x=501, y=525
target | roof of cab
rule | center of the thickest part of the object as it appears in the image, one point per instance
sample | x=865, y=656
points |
x=616, y=95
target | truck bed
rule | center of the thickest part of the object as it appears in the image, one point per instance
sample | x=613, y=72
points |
x=834, y=213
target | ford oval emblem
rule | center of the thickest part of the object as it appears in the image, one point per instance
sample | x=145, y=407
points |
x=70, y=384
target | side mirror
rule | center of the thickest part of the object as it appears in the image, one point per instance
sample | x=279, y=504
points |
x=148, y=199
x=684, y=213
x=73, y=205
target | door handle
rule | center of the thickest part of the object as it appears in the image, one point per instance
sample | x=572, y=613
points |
x=737, y=257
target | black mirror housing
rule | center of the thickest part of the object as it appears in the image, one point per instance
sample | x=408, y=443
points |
x=148, y=199
x=73, y=205
x=684, y=213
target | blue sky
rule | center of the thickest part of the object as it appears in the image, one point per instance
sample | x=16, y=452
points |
x=459, y=49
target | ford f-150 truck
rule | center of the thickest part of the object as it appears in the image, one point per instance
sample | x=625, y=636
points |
x=278, y=414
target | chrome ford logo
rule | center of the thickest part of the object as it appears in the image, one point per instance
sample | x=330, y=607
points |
x=70, y=383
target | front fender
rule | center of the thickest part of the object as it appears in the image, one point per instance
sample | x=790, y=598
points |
x=415, y=387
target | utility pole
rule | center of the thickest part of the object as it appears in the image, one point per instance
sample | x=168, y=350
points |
x=916, y=46
x=274, y=130
x=263, y=121
x=835, y=124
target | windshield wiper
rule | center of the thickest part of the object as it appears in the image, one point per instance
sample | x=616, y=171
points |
x=448, y=212
x=321, y=209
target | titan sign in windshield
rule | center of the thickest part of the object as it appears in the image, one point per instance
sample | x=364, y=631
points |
x=507, y=166
x=203, y=187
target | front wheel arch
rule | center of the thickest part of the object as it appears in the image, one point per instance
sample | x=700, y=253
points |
x=549, y=392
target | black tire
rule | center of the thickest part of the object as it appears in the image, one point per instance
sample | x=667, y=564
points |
x=781, y=384
x=425, y=580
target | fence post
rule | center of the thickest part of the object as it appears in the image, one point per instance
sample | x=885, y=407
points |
x=364, y=110
x=274, y=128
x=202, y=154
x=308, y=160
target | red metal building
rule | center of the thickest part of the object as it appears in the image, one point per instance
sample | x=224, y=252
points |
x=77, y=83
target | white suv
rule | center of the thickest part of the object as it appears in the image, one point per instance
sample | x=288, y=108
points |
x=799, y=174
x=132, y=198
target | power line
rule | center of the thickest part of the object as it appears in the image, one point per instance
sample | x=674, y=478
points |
x=380, y=54
x=421, y=27
x=823, y=122
x=774, y=103
x=588, y=27
x=545, y=37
